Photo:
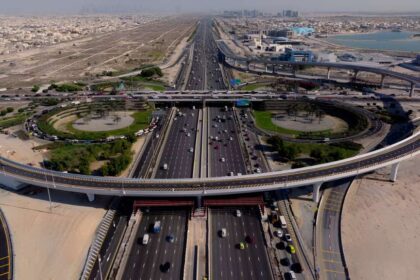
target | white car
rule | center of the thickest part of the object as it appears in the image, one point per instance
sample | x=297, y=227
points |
x=278, y=233
x=238, y=213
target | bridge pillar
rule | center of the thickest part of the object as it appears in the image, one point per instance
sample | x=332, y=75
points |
x=274, y=69
x=316, y=193
x=199, y=200
x=91, y=197
x=266, y=68
x=412, y=89
x=382, y=81
x=356, y=72
x=328, y=73
x=294, y=71
x=247, y=66
x=394, y=172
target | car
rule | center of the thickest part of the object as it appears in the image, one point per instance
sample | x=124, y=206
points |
x=278, y=233
x=290, y=275
x=285, y=262
x=242, y=245
x=249, y=239
x=216, y=147
x=170, y=238
x=146, y=239
x=238, y=213
x=222, y=232
x=223, y=159
x=165, y=267
x=287, y=237
x=291, y=249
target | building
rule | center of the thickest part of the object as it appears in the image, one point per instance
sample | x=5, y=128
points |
x=290, y=13
x=285, y=33
x=296, y=56
x=303, y=31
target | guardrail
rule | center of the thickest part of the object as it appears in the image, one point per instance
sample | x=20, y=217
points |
x=215, y=185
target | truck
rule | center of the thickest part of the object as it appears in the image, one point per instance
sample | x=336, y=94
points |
x=156, y=227
x=283, y=222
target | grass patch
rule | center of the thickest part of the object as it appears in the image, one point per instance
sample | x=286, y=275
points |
x=264, y=121
x=14, y=120
x=141, y=121
x=77, y=158
x=251, y=87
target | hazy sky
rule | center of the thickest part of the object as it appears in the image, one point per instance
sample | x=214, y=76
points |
x=76, y=6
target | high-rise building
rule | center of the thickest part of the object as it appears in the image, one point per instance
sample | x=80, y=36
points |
x=290, y=13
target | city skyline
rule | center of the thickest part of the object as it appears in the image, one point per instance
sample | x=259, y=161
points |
x=180, y=6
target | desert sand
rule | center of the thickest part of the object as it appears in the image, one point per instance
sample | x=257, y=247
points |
x=381, y=225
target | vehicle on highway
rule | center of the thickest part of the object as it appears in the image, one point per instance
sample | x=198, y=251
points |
x=223, y=159
x=249, y=239
x=291, y=275
x=191, y=150
x=156, y=227
x=291, y=249
x=165, y=166
x=146, y=239
x=165, y=267
x=278, y=233
x=222, y=232
x=238, y=213
x=287, y=237
x=285, y=262
x=170, y=238
x=242, y=245
x=283, y=222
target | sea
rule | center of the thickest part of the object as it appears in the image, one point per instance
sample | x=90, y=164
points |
x=386, y=40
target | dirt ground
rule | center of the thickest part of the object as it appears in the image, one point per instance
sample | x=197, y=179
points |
x=19, y=150
x=50, y=245
x=381, y=225
x=84, y=58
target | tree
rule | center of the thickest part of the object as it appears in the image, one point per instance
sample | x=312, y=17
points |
x=35, y=88
x=9, y=109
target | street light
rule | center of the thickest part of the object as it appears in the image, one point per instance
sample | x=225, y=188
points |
x=46, y=183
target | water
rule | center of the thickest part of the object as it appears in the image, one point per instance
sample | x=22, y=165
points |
x=395, y=41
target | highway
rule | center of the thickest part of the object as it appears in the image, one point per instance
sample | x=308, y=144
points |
x=228, y=261
x=224, y=148
x=5, y=250
x=176, y=152
x=329, y=254
x=145, y=260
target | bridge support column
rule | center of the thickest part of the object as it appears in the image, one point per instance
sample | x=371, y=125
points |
x=316, y=191
x=412, y=90
x=274, y=69
x=328, y=73
x=294, y=71
x=382, y=81
x=266, y=68
x=91, y=197
x=394, y=172
x=356, y=72
x=199, y=200
x=247, y=66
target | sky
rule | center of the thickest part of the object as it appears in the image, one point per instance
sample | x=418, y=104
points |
x=90, y=6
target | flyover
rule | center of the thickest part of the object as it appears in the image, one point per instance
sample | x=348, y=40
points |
x=226, y=53
x=12, y=174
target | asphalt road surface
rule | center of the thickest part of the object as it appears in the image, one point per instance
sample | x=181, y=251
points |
x=176, y=152
x=145, y=260
x=4, y=252
x=225, y=148
x=228, y=261
x=330, y=260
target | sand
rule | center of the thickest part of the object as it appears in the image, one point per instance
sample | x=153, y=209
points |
x=50, y=245
x=381, y=225
x=15, y=149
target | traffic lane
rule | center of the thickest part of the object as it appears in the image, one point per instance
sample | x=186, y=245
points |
x=229, y=262
x=176, y=152
x=145, y=260
x=4, y=253
x=226, y=148
x=332, y=261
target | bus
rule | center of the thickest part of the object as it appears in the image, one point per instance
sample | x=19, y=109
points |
x=283, y=222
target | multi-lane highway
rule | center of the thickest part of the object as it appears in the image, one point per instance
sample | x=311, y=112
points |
x=145, y=261
x=178, y=152
x=225, y=154
x=228, y=261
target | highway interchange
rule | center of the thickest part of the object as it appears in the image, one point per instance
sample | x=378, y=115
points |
x=228, y=156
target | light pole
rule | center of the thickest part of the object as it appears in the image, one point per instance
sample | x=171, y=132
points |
x=100, y=267
x=46, y=183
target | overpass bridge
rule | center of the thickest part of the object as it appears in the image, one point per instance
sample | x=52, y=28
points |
x=226, y=54
x=13, y=174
